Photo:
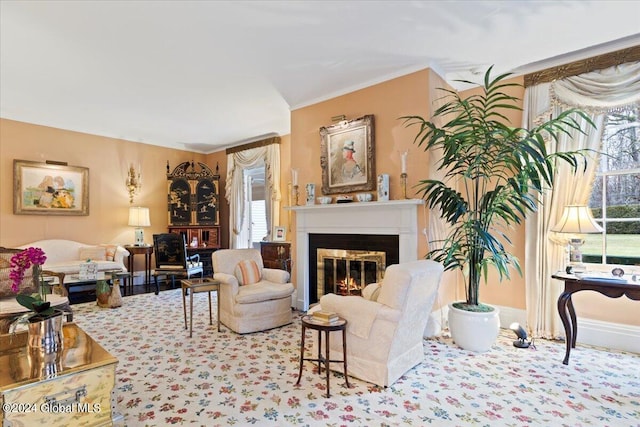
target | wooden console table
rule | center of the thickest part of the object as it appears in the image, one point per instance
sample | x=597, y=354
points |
x=573, y=284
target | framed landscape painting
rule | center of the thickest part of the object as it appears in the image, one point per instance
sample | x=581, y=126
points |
x=347, y=156
x=50, y=189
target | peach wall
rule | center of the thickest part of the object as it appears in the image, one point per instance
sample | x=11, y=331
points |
x=108, y=160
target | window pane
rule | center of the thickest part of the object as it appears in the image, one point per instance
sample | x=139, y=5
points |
x=621, y=141
x=623, y=196
x=624, y=247
x=592, y=248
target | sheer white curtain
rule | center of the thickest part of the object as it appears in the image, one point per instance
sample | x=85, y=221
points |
x=596, y=93
x=237, y=162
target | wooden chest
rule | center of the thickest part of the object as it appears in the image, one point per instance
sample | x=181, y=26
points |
x=72, y=388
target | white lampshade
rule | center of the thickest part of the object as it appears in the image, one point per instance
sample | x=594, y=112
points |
x=577, y=219
x=139, y=217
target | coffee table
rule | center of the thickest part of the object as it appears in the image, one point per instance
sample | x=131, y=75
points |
x=193, y=286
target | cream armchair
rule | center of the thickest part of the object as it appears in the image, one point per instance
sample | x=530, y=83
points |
x=252, y=298
x=384, y=337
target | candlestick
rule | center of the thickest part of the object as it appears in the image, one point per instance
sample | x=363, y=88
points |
x=294, y=176
x=295, y=194
x=403, y=158
x=403, y=184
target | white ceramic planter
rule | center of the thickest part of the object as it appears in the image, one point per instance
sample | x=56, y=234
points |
x=474, y=331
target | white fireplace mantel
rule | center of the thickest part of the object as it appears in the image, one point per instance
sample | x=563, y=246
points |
x=394, y=217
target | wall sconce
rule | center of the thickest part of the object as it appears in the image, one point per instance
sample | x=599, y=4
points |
x=139, y=217
x=134, y=182
x=521, y=342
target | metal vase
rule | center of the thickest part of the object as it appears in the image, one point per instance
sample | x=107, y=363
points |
x=45, y=335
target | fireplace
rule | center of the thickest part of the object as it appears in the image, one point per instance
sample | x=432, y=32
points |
x=388, y=226
x=347, y=272
x=346, y=263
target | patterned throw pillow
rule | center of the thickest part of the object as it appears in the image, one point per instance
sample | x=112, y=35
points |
x=247, y=272
x=94, y=253
x=111, y=251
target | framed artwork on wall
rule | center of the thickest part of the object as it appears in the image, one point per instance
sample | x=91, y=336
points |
x=347, y=156
x=50, y=189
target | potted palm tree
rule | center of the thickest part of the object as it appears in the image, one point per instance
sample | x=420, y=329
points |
x=492, y=175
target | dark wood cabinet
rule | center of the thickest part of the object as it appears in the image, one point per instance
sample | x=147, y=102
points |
x=276, y=255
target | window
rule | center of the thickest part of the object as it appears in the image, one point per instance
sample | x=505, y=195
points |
x=615, y=198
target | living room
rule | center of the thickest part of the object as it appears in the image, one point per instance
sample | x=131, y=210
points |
x=604, y=321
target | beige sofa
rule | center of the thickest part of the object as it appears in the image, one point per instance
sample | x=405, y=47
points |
x=65, y=256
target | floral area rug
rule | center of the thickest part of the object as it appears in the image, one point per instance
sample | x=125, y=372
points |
x=223, y=379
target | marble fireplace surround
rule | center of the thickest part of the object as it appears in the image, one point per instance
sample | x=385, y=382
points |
x=394, y=217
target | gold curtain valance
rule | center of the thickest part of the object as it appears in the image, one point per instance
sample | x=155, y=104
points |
x=255, y=144
x=583, y=66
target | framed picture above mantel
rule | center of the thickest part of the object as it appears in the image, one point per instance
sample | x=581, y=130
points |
x=50, y=188
x=347, y=156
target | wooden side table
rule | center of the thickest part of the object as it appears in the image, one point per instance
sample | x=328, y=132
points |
x=573, y=284
x=326, y=327
x=205, y=284
x=140, y=250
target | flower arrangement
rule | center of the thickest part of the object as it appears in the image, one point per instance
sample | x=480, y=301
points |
x=20, y=262
x=23, y=260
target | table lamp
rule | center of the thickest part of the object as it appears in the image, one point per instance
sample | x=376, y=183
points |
x=139, y=217
x=577, y=220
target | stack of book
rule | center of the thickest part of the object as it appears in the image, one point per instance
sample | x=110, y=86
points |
x=325, y=316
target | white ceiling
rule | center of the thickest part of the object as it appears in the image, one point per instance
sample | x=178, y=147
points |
x=206, y=75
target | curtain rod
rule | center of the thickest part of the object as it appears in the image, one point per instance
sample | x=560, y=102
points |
x=587, y=65
x=256, y=144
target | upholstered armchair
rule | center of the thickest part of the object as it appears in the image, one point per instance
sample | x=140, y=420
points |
x=252, y=298
x=384, y=333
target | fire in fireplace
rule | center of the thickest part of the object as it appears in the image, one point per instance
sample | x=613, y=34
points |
x=347, y=272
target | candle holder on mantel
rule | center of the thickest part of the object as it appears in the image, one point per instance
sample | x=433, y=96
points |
x=403, y=184
x=296, y=194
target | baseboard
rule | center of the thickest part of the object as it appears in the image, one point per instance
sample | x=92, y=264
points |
x=610, y=335
x=615, y=336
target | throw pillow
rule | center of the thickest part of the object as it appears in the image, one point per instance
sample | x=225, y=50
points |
x=247, y=272
x=371, y=291
x=110, y=251
x=94, y=253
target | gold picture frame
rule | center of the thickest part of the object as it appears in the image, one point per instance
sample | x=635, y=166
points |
x=50, y=189
x=347, y=156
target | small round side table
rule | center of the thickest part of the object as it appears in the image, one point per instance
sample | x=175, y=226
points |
x=321, y=326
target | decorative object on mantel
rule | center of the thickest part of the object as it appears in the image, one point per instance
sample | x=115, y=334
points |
x=347, y=156
x=364, y=197
x=383, y=187
x=493, y=174
x=311, y=194
x=403, y=175
x=294, y=183
x=134, y=182
x=325, y=200
x=50, y=188
x=344, y=199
